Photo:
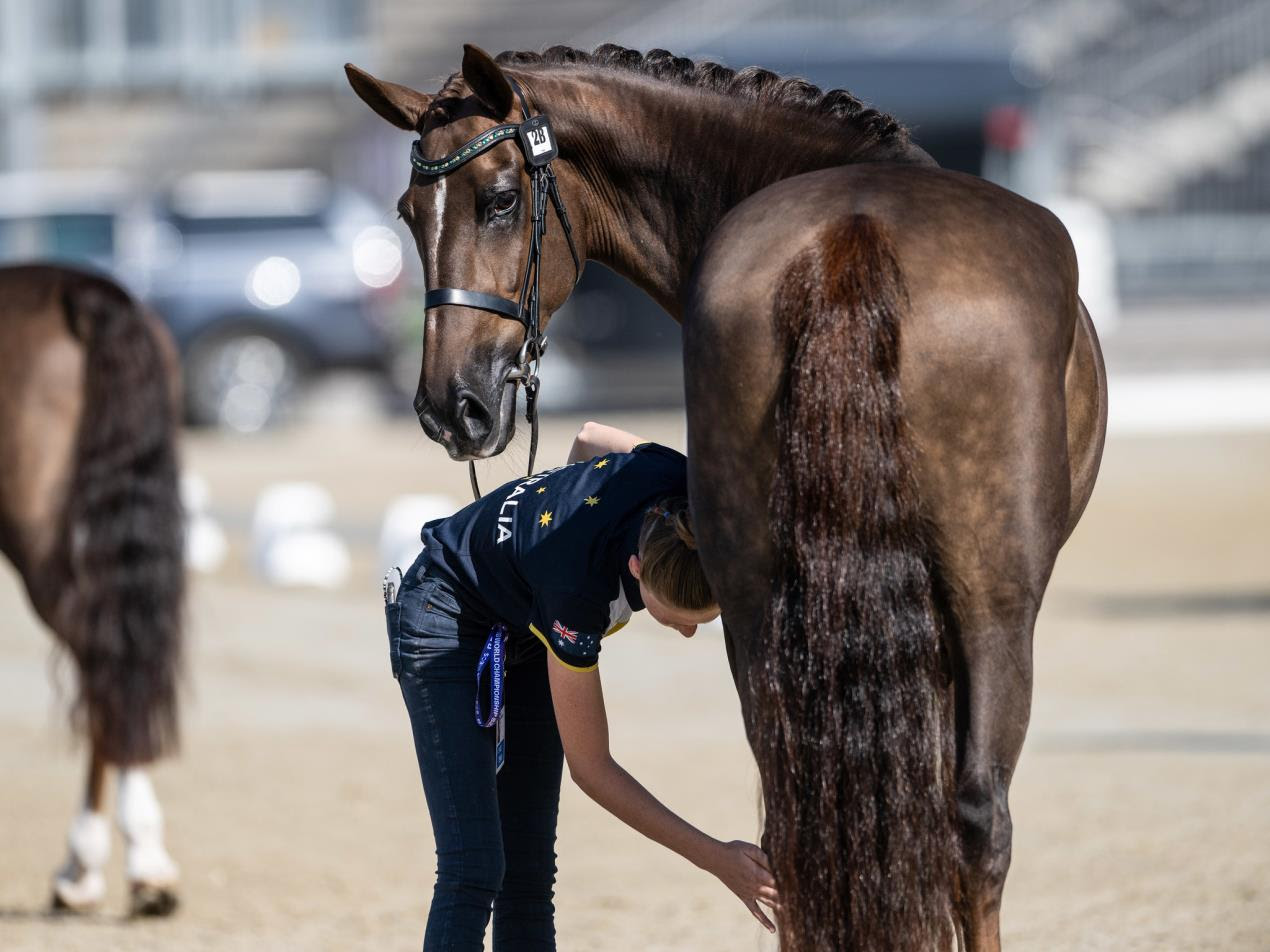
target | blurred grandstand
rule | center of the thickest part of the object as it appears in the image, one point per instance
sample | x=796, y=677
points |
x=1144, y=123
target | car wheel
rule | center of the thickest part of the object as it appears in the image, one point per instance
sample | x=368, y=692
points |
x=242, y=381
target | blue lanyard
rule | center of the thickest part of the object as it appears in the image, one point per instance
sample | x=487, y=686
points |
x=494, y=656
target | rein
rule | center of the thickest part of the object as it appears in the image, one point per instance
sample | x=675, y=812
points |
x=538, y=145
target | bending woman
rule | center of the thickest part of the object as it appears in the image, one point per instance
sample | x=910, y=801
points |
x=560, y=560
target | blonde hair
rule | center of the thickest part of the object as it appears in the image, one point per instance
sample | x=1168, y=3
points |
x=669, y=562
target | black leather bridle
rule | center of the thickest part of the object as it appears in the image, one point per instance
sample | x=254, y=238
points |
x=538, y=145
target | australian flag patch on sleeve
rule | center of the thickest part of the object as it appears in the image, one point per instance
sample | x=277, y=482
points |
x=564, y=633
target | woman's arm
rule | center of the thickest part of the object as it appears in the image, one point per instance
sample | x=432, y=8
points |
x=579, y=705
x=596, y=439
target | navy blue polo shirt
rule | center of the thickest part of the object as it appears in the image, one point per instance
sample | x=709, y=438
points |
x=548, y=555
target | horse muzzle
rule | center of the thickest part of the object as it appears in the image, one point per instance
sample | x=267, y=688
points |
x=472, y=429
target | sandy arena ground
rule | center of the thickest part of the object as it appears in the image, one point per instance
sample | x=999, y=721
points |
x=1141, y=805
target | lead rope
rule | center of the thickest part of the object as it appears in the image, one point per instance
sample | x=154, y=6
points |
x=531, y=415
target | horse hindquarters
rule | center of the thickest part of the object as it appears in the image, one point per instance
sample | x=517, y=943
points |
x=841, y=676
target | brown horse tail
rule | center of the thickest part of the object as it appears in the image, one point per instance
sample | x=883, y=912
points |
x=124, y=530
x=855, y=735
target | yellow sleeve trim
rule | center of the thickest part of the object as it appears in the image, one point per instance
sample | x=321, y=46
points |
x=552, y=651
x=615, y=629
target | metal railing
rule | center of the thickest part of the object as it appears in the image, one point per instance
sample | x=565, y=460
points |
x=1164, y=62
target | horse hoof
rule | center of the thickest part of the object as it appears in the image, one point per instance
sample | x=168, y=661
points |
x=62, y=906
x=80, y=895
x=151, y=900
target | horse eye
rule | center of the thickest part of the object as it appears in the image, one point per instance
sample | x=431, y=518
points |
x=504, y=203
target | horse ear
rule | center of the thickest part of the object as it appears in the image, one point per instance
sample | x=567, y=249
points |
x=402, y=106
x=487, y=80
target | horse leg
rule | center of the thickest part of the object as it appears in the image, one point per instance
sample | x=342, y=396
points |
x=152, y=873
x=729, y=478
x=79, y=885
x=994, y=694
x=992, y=653
x=1000, y=516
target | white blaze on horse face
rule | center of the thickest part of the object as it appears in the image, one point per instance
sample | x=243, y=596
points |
x=438, y=215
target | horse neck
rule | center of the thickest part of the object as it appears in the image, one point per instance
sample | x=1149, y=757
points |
x=653, y=167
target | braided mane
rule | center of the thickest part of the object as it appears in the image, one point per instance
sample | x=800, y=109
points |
x=753, y=83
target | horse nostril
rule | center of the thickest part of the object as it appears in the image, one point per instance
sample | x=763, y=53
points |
x=473, y=419
x=427, y=416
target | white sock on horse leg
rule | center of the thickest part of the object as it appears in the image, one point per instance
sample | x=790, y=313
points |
x=141, y=821
x=79, y=883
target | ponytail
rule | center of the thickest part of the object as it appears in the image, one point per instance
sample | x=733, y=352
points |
x=669, y=562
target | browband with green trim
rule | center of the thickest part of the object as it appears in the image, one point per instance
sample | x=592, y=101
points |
x=469, y=150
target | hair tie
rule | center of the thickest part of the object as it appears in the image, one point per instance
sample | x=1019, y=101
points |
x=659, y=511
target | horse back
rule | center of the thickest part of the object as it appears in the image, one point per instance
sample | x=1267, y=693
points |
x=981, y=263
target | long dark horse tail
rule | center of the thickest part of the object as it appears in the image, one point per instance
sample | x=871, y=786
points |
x=855, y=735
x=124, y=531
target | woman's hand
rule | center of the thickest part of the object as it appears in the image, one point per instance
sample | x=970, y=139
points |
x=744, y=869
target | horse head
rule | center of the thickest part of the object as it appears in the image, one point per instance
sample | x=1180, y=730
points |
x=472, y=220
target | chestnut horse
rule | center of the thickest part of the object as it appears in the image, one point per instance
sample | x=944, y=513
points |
x=896, y=407
x=90, y=516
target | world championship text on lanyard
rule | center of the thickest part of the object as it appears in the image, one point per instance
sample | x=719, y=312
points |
x=494, y=657
x=537, y=142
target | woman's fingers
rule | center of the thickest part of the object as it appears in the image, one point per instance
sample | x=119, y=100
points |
x=757, y=913
x=751, y=880
x=759, y=858
x=756, y=854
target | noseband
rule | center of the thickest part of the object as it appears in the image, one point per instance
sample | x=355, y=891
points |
x=538, y=145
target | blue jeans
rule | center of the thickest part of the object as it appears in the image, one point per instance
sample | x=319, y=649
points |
x=495, y=833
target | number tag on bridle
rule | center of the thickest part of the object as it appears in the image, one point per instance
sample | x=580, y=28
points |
x=537, y=141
